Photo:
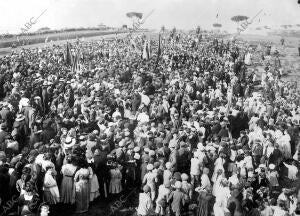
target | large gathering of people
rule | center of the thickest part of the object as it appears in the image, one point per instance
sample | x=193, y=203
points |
x=193, y=126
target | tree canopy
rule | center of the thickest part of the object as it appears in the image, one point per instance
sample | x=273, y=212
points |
x=239, y=18
x=134, y=14
x=217, y=25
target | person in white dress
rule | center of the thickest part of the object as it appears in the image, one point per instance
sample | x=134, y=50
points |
x=205, y=181
x=163, y=193
x=217, y=182
x=219, y=165
x=67, y=188
x=285, y=145
x=50, y=188
x=195, y=168
x=220, y=206
x=149, y=179
x=145, y=202
x=115, y=185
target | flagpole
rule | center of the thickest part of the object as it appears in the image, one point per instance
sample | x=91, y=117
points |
x=158, y=52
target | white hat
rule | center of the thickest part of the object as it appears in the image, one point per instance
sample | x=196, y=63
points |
x=210, y=148
x=20, y=117
x=200, y=147
x=272, y=166
x=172, y=145
x=131, y=117
x=149, y=167
x=136, y=149
x=110, y=124
x=69, y=142
x=24, y=102
x=196, y=154
x=95, y=132
x=178, y=185
x=121, y=143
x=184, y=177
x=137, y=156
x=240, y=151
x=151, y=153
x=81, y=137
x=168, y=165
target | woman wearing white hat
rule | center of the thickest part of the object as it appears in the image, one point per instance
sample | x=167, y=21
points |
x=161, y=201
x=68, y=144
x=220, y=206
x=150, y=179
x=145, y=202
x=219, y=165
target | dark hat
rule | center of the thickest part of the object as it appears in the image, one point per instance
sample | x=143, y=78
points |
x=183, y=144
x=3, y=126
x=156, y=165
x=146, y=189
x=92, y=137
x=177, y=176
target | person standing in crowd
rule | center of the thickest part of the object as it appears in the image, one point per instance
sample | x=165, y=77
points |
x=177, y=199
x=115, y=186
x=29, y=201
x=51, y=193
x=68, y=171
x=145, y=202
x=82, y=192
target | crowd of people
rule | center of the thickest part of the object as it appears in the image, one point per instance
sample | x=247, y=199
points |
x=192, y=126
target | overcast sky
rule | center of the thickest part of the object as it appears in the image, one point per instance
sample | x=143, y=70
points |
x=184, y=14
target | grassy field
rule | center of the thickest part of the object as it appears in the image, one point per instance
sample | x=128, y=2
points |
x=34, y=39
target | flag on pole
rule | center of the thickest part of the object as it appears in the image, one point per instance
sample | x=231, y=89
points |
x=159, y=46
x=75, y=65
x=146, y=51
x=68, y=57
x=158, y=51
x=133, y=44
x=149, y=48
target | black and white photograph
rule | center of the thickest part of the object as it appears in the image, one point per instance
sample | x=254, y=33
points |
x=150, y=108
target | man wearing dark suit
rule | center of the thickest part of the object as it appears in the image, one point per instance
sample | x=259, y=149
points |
x=101, y=170
x=173, y=158
x=260, y=181
x=7, y=116
x=3, y=134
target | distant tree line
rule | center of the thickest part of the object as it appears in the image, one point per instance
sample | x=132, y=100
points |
x=46, y=30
